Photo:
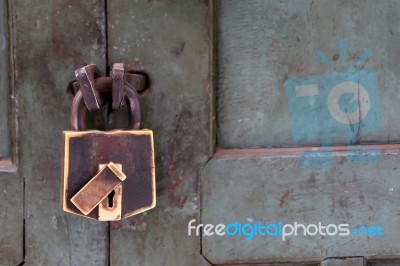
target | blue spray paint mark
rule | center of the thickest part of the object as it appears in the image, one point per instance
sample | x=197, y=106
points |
x=364, y=156
x=311, y=159
x=367, y=54
x=328, y=106
x=310, y=117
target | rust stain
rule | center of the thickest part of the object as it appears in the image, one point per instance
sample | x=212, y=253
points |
x=146, y=92
x=115, y=225
x=335, y=57
x=61, y=40
x=174, y=184
x=137, y=62
x=160, y=190
x=285, y=196
x=170, y=159
x=180, y=201
x=61, y=50
x=59, y=47
x=174, y=179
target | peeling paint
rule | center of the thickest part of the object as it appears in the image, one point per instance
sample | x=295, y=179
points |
x=170, y=159
x=174, y=184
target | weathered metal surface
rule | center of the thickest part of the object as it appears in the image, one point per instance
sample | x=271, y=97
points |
x=4, y=82
x=11, y=219
x=345, y=262
x=263, y=44
x=271, y=188
x=263, y=49
x=85, y=150
x=52, y=39
x=139, y=81
x=171, y=41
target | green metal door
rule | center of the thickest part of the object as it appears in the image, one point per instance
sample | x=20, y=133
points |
x=307, y=162
x=263, y=112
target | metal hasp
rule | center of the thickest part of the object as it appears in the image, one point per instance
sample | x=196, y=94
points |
x=85, y=77
x=108, y=175
x=98, y=188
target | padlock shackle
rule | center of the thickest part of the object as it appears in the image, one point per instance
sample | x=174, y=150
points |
x=104, y=84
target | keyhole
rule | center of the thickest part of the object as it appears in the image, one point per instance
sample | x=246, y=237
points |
x=111, y=199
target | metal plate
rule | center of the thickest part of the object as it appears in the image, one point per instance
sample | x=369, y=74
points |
x=249, y=186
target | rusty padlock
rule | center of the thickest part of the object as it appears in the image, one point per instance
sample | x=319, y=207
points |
x=108, y=175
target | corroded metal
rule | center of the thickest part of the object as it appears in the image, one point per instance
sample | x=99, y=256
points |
x=117, y=74
x=104, y=84
x=139, y=80
x=85, y=77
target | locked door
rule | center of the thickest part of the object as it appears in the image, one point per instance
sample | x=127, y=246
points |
x=268, y=116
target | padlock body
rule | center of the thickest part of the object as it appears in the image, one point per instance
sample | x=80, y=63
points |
x=85, y=151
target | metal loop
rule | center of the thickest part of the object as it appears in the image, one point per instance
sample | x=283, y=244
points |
x=104, y=84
